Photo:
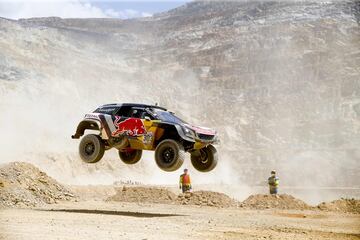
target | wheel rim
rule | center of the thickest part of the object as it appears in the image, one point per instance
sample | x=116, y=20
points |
x=89, y=148
x=129, y=153
x=168, y=155
x=204, y=158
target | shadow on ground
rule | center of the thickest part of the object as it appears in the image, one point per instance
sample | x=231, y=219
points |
x=107, y=212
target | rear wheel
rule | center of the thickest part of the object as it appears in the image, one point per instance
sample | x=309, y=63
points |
x=91, y=148
x=130, y=156
x=205, y=159
x=169, y=155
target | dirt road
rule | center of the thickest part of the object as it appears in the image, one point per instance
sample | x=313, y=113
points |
x=109, y=220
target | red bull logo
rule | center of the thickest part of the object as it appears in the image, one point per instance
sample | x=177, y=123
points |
x=130, y=127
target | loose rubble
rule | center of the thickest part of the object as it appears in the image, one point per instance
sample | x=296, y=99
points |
x=282, y=201
x=143, y=194
x=206, y=198
x=24, y=185
x=161, y=195
x=341, y=205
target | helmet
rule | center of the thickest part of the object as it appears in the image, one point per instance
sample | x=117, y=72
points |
x=133, y=113
x=185, y=170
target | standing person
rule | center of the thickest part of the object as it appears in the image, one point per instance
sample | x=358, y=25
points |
x=273, y=182
x=185, y=182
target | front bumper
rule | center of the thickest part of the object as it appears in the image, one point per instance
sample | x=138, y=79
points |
x=201, y=143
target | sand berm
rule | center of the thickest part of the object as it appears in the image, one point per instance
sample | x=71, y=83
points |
x=24, y=185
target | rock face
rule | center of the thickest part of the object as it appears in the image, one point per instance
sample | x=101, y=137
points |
x=278, y=80
x=23, y=185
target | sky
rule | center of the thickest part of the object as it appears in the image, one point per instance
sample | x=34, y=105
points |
x=15, y=9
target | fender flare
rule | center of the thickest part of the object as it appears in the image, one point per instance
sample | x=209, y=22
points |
x=91, y=124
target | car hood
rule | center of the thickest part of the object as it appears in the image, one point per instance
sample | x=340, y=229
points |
x=202, y=130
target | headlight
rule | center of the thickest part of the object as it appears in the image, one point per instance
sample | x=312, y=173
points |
x=189, y=133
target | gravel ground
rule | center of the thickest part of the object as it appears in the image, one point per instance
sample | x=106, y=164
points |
x=110, y=220
x=35, y=206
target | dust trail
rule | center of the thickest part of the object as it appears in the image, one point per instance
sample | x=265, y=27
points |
x=278, y=80
x=41, y=109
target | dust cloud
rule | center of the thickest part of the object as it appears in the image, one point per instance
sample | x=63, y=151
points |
x=40, y=115
x=282, y=93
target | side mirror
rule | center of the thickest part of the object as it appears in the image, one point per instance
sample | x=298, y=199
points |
x=147, y=118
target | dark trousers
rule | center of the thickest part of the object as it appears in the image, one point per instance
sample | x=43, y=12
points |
x=273, y=190
x=185, y=188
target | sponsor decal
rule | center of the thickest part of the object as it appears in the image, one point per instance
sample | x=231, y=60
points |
x=148, y=138
x=202, y=130
x=92, y=116
x=131, y=127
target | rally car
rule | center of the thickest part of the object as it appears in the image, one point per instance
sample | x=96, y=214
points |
x=132, y=128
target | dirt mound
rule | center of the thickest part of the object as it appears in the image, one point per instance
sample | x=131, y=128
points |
x=341, y=205
x=161, y=195
x=22, y=184
x=143, y=195
x=206, y=198
x=282, y=201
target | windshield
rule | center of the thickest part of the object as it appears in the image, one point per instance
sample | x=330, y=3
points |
x=167, y=116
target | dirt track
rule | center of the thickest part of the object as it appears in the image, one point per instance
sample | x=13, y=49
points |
x=35, y=206
x=110, y=220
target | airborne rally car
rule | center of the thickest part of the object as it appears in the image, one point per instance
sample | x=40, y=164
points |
x=131, y=128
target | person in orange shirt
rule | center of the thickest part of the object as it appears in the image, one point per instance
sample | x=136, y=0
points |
x=185, y=182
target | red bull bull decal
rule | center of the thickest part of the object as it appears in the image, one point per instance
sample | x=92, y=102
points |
x=131, y=127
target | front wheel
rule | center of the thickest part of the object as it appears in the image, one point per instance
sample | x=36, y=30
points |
x=130, y=156
x=205, y=159
x=169, y=155
x=91, y=148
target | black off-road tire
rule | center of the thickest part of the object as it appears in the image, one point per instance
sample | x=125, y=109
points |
x=130, y=157
x=169, y=155
x=91, y=148
x=205, y=159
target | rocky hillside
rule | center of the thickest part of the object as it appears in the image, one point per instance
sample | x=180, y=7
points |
x=278, y=80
